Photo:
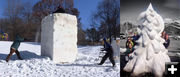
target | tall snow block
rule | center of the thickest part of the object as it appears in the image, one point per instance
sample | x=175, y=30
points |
x=59, y=37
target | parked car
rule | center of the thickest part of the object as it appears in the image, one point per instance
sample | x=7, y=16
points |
x=177, y=37
x=122, y=36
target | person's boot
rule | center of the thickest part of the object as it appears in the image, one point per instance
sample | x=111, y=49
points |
x=20, y=58
x=18, y=55
x=7, y=59
x=10, y=54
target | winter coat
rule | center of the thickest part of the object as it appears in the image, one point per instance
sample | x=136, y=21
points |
x=135, y=38
x=107, y=46
x=17, y=42
x=166, y=44
x=128, y=50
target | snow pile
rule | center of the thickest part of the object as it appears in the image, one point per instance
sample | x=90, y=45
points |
x=35, y=65
x=150, y=55
x=59, y=37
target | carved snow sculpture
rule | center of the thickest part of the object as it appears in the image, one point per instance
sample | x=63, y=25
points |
x=150, y=55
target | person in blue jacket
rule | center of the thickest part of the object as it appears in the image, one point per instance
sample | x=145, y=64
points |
x=135, y=37
x=109, y=53
x=14, y=47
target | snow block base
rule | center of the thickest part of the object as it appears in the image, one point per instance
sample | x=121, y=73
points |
x=59, y=37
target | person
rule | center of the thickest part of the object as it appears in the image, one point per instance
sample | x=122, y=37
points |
x=60, y=10
x=167, y=41
x=109, y=53
x=135, y=38
x=14, y=47
x=129, y=40
x=129, y=50
x=5, y=36
x=163, y=34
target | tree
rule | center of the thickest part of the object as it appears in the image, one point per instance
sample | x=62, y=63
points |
x=45, y=7
x=13, y=14
x=108, y=17
x=92, y=35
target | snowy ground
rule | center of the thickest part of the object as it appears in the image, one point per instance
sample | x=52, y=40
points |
x=35, y=65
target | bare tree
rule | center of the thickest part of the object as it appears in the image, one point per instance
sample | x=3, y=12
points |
x=108, y=17
x=45, y=7
x=13, y=13
x=92, y=35
x=19, y=16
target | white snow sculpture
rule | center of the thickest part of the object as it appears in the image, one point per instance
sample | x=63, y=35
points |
x=150, y=55
x=59, y=37
x=116, y=48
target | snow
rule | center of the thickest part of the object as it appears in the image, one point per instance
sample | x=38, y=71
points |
x=150, y=56
x=35, y=65
x=168, y=20
x=59, y=37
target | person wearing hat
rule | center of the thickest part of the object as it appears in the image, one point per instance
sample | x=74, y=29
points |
x=108, y=54
x=14, y=47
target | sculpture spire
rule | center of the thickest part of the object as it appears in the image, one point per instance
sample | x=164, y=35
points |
x=150, y=8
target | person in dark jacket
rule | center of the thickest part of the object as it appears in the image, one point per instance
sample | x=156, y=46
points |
x=60, y=10
x=135, y=37
x=109, y=53
x=167, y=41
x=14, y=47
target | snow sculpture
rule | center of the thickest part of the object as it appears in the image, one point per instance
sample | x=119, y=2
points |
x=59, y=37
x=150, y=55
x=116, y=48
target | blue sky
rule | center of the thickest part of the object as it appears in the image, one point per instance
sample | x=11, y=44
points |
x=85, y=7
x=3, y=4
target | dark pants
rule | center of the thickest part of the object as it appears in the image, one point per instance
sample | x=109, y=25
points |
x=12, y=50
x=109, y=53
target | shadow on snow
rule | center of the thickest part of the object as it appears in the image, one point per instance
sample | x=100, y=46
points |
x=24, y=54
